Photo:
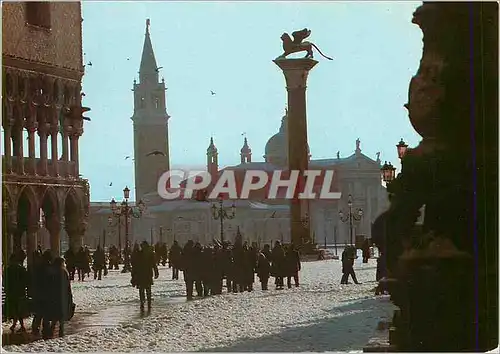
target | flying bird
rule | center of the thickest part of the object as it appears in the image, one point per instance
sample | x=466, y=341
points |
x=83, y=94
x=111, y=184
x=128, y=58
x=213, y=93
x=155, y=152
x=127, y=157
x=158, y=68
x=89, y=63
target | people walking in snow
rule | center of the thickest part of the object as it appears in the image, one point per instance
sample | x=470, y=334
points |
x=348, y=257
x=16, y=282
x=99, y=262
x=174, y=259
x=144, y=268
x=41, y=295
x=60, y=301
x=263, y=268
x=278, y=265
x=293, y=266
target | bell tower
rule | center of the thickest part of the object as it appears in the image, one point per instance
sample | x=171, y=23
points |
x=150, y=119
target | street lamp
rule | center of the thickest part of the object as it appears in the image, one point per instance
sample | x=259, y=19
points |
x=402, y=147
x=351, y=217
x=219, y=213
x=128, y=212
x=388, y=172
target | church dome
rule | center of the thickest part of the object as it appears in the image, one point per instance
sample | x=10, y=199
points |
x=276, y=150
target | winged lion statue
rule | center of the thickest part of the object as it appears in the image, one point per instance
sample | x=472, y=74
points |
x=297, y=45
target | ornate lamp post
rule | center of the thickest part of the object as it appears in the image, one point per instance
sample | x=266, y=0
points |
x=351, y=217
x=402, y=147
x=388, y=172
x=128, y=212
x=219, y=213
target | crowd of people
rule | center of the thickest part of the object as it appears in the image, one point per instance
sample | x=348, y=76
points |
x=44, y=289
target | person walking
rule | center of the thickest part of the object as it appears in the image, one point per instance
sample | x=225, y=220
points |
x=143, y=271
x=348, y=257
x=16, y=284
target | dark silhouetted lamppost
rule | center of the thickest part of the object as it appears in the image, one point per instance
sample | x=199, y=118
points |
x=219, y=213
x=351, y=217
x=128, y=212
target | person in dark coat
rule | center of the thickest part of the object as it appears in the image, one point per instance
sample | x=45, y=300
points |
x=99, y=262
x=164, y=254
x=143, y=271
x=226, y=260
x=82, y=263
x=174, y=258
x=187, y=266
x=293, y=265
x=40, y=294
x=366, y=250
x=278, y=265
x=348, y=257
x=60, y=302
x=263, y=270
x=198, y=268
x=70, y=258
x=15, y=281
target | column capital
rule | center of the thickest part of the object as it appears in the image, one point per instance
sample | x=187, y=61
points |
x=44, y=129
x=296, y=71
x=31, y=126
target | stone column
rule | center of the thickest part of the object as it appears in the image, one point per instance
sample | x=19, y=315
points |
x=65, y=149
x=75, y=231
x=32, y=128
x=43, y=134
x=296, y=72
x=18, y=146
x=7, y=125
x=31, y=241
x=74, y=151
x=54, y=132
x=53, y=225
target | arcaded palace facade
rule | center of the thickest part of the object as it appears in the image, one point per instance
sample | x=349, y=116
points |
x=258, y=219
x=44, y=199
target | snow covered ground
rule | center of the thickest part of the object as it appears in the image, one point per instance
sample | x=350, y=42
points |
x=320, y=315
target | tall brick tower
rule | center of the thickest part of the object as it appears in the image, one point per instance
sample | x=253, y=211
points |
x=150, y=123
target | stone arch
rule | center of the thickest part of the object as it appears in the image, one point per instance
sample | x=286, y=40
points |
x=28, y=216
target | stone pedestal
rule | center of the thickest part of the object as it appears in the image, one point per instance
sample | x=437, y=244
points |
x=296, y=72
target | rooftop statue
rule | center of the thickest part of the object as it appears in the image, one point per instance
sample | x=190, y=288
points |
x=297, y=45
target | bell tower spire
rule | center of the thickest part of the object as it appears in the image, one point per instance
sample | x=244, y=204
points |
x=150, y=122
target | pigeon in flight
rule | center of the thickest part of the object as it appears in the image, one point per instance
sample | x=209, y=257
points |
x=158, y=68
x=111, y=184
x=155, y=152
x=213, y=93
x=127, y=157
x=89, y=63
x=128, y=58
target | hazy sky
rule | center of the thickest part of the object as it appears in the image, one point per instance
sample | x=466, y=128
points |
x=228, y=47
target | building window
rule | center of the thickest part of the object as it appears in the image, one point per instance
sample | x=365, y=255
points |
x=38, y=13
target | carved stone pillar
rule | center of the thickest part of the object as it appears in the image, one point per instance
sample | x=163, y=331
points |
x=53, y=224
x=65, y=148
x=18, y=143
x=54, y=132
x=75, y=231
x=43, y=134
x=296, y=72
x=32, y=127
x=31, y=241
x=74, y=137
x=7, y=126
